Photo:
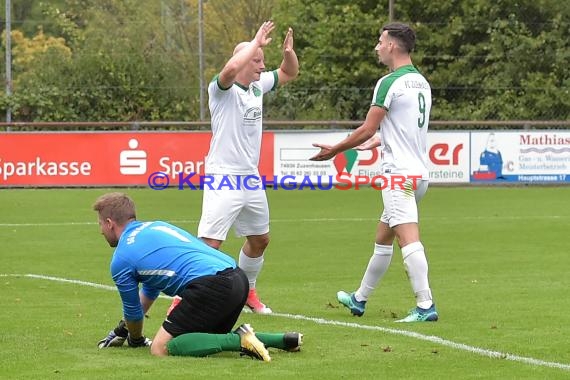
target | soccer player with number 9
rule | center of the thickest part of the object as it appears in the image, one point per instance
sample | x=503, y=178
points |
x=401, y=105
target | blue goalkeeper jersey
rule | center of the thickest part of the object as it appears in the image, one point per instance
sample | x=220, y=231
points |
x=163, y=258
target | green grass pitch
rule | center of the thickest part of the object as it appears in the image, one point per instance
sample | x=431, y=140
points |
x=498, y=269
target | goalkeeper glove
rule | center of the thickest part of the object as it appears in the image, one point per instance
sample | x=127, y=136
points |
x=116, y=337
x=138, y=342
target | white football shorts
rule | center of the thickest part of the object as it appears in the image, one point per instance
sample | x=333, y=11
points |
x=401, y=202
x=234, y=205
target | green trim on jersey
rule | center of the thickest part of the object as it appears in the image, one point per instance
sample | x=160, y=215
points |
x=241, y=86
x=216, y=78
x=275, y=80
x=389, y=80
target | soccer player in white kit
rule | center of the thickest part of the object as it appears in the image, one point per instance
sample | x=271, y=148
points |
x=236, y=107
x=401, y=106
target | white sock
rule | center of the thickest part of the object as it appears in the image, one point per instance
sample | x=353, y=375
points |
x=416, y=265
x=377, y=267
x=251, y=266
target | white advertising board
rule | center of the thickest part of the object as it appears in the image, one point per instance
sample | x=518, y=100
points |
x=448, y=157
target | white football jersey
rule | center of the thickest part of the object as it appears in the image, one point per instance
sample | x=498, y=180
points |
x=237, y=125
x=406, y=95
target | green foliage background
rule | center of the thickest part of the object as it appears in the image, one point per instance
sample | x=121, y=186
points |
x=132, y=60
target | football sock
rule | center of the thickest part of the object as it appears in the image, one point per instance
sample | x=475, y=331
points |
x=251, y=266
x=416, y=266
x=377, y=267
x=423, y=299
x=203, y=344
x=274, y=340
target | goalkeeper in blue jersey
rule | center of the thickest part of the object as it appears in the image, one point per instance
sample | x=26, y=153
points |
x=164, y=258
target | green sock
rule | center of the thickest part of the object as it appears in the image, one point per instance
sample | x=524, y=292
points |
x=274, y=340
x=202, y=344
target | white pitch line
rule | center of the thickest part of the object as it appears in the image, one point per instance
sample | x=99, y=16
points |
x=322, y=321
x=78, y=282
x=432, y=339
x=314, y=220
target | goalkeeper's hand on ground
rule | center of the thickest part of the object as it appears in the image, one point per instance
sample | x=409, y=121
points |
x=139, y=342
x=116, y=337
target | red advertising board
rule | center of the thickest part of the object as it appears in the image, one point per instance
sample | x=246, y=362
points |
x=107, y=158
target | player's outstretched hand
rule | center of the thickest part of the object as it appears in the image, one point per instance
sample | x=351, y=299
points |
x=326, y=152
x=371, y=143
x=288, y=42
x=116, y=337
x=262, y=36
x=139, y=342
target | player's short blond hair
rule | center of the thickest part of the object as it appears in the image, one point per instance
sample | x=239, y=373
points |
x=118, y=207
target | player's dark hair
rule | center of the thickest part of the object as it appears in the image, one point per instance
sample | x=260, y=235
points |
x=403, y=33
x=115, y=206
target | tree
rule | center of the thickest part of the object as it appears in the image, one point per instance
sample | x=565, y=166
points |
x=128, y=60
x=120, y=69
x=338, y=68
x=493, y=59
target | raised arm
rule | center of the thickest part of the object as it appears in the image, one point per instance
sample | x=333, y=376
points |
x=290, y=65
x=243, y=53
